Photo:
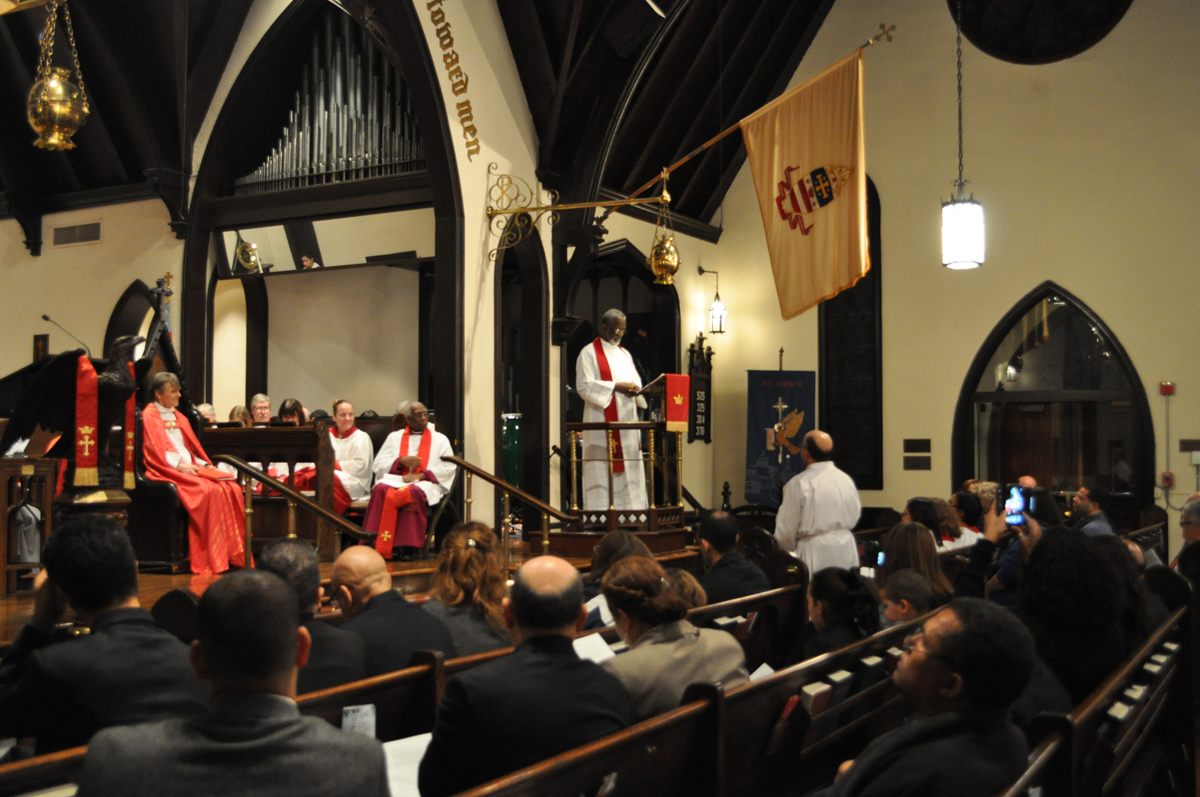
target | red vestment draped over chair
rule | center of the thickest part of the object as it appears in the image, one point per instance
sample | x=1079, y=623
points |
x=216, y=518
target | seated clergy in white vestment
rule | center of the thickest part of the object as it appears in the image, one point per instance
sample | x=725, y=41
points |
x=820, y=507
x=608, y=382
x=411, y=476
x=352, y=456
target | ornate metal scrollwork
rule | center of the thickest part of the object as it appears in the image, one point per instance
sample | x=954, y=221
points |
x=515, y=209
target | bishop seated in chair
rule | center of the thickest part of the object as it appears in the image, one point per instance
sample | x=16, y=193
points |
x=171, y=452
x=411, y=476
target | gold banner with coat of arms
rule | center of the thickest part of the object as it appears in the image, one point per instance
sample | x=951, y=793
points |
x=807, y=157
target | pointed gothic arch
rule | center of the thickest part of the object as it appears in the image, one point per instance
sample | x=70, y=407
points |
x=1052, y=390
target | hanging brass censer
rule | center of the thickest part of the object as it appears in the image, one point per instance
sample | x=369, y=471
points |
x=664, y=257
x=57, y=107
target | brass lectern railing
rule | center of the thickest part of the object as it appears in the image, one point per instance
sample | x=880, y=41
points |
x=659, y=515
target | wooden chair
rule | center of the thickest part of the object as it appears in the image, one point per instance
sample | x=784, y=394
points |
x=158, y=523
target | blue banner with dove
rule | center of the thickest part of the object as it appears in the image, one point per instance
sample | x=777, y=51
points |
x=780, y=410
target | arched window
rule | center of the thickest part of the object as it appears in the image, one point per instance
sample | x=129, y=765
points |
x=1052, y=394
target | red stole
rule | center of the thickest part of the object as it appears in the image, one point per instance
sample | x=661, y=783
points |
x=130, y=411
x=610, y=412
x=87, y=436
x=422, y=450
x=333, y=430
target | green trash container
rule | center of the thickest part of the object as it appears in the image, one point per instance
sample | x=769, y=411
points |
x=510, y=448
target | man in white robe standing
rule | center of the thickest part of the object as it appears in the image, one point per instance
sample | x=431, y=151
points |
x=608, y=382
x=416, y=478
x=820, y=507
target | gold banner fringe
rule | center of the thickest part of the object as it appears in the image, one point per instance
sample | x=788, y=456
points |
x=677, y=426
x=87, y=477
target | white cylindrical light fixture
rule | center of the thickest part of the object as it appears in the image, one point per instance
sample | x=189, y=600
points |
x=963, y=238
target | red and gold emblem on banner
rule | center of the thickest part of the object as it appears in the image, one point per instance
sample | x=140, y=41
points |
x=678, y=402
x=87, y=439
x=813, y=191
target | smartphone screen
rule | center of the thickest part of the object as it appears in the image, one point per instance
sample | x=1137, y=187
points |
x=1014, y=505
x=879, y=559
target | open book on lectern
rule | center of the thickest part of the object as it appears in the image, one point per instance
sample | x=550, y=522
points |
x=656, y=385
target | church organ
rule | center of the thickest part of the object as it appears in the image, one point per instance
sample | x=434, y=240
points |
x=352, y=117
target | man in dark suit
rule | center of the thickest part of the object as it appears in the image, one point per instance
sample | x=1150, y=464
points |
x=962, y=672
x=732, y=575
x=126, y=670
x=337, y=656
x=537, y=702
x=391, y=627
x=249, y=644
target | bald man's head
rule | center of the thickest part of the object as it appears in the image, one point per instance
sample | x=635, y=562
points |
x=547, y=596
x=358, y=575
x=819, y=446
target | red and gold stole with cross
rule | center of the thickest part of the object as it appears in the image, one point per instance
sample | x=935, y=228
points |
x=610, y=412
x=87, y=437
x=422, y=450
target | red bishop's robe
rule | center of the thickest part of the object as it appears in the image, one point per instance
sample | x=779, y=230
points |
x=216, y=514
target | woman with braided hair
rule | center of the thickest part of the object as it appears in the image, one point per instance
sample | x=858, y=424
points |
x=468, y=589
x=666, y=653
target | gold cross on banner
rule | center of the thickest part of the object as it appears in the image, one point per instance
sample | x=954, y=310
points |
x=85, y=439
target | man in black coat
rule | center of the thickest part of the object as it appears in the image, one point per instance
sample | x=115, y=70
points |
x=537, y=702
x=962, y=671
x=126, y=670
x=254, y=741
x=732, y=575
x=391, y=627
x=337, y=656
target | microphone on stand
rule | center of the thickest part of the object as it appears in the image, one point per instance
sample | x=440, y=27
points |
x=64, y=329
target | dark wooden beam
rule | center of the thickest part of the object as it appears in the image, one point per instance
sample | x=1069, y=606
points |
x=528, y=44
x=816, y=10
x=210, y=64
x=550, y=135
x=398, y=192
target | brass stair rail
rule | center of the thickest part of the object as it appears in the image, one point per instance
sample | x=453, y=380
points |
x=547, y=511
x=295, y=499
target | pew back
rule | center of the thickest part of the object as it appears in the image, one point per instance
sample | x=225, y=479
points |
x=773, y=619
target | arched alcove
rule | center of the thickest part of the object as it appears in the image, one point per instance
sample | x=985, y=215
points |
x=523, y=364
x=1053, y=394
x=234, y=149
x=132, y=315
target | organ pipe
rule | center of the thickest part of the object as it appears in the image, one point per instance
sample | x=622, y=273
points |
x=351, y=118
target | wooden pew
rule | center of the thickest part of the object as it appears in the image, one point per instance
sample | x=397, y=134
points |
x=290, y=445
x=1148, y=697
x=774, y=749
x=772, y=621
x=42, y=772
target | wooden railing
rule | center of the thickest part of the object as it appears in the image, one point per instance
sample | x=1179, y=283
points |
x=296, y=500
x=507, y=490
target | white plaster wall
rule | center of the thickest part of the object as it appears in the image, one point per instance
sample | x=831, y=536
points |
x=1086, y=169
x=349, y=333
x=229, y=347
x=78, y=286
x=506, y=138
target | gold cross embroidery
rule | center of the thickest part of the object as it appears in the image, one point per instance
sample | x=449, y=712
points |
x=85, y=439
x=385, y=536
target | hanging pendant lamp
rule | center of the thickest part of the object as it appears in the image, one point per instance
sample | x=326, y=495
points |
x=963, y=235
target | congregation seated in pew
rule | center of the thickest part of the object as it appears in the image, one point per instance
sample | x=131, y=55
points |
x=467, y=593
x=336, y=656
x=253, y=740
x=410, y=477
x=522, y=708
x=962, y=670
x=126, y=670
x=171, y=452
x=391, y=627
x=843, y=607
x=731, y=575
x=905, y=595
x=613, y=547
x=666, y=653
x=911, y=545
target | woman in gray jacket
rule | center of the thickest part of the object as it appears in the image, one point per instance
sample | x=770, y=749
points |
x=666, y=653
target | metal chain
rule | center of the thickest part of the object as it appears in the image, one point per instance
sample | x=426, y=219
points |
x=47, y=53
x=83, y=91
x=958, y=29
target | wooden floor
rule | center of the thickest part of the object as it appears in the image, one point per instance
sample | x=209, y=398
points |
x=408, y=577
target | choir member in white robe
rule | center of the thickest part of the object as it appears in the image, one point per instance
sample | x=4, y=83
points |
x=417, y=478
x=352, y=455
x=820, y=507
x=608, y=382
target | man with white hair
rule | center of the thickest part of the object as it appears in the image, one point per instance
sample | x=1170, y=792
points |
x=1189, y=524
x=609, y=385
